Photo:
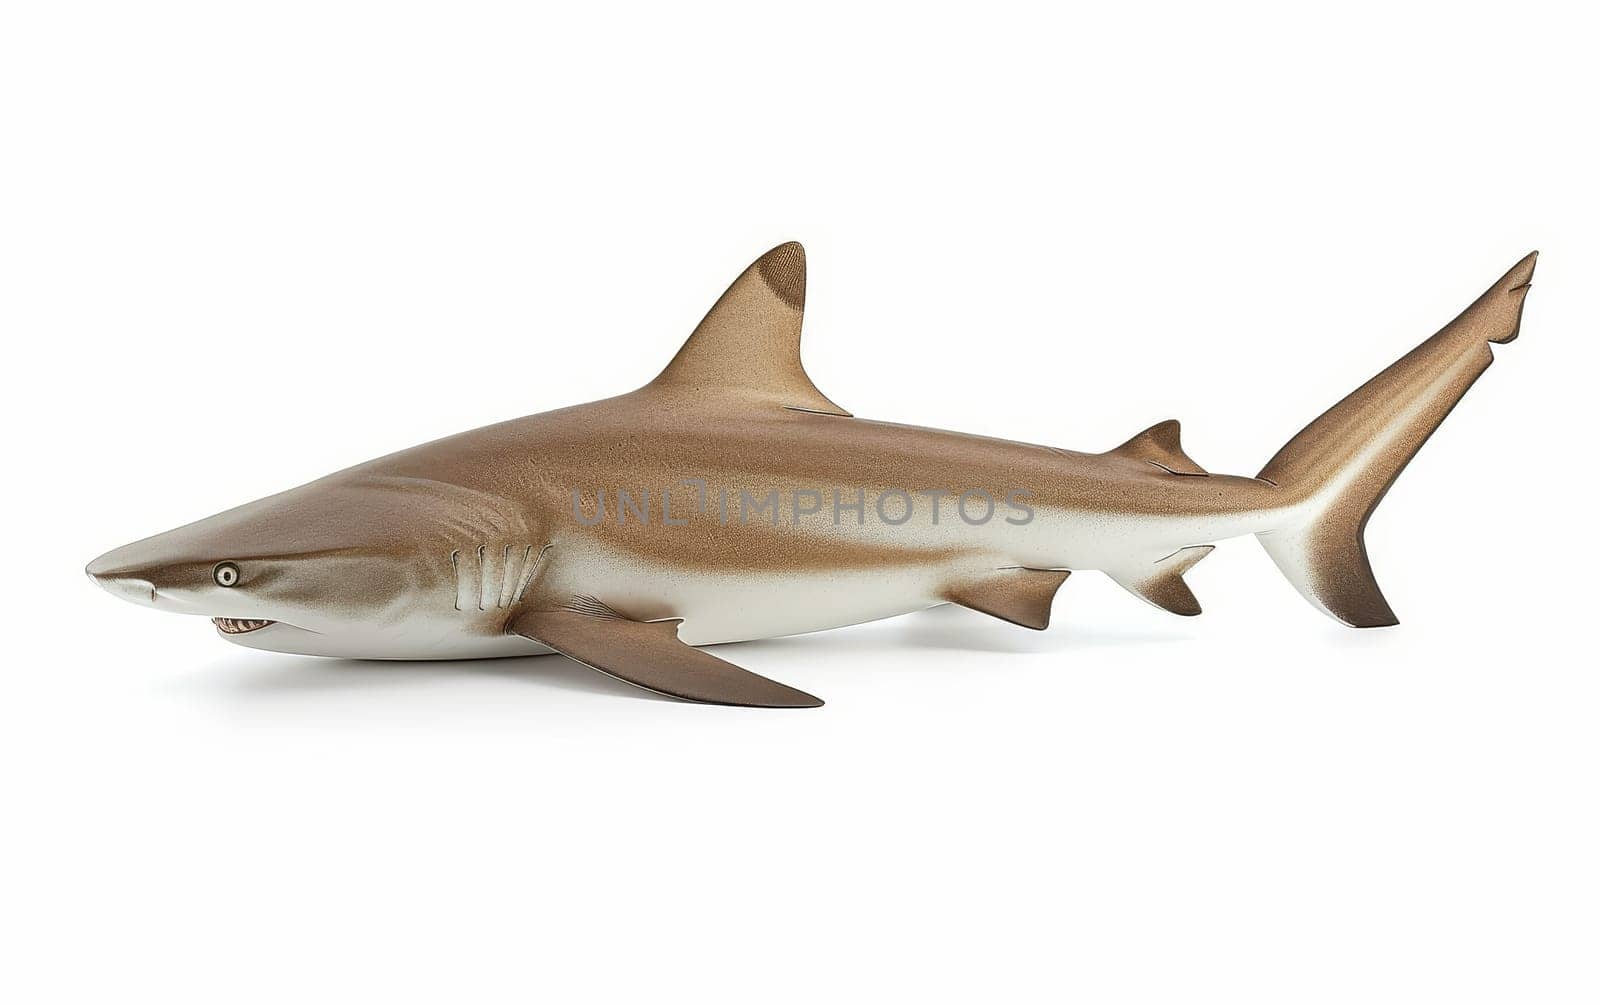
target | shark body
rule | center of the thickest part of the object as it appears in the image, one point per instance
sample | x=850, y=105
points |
x=729, y=499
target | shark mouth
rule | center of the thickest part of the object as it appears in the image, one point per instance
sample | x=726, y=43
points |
x=239, y=626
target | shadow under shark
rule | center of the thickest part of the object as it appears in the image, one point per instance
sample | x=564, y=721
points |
x=476, y=546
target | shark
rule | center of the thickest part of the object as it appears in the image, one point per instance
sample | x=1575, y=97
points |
x=730, y=500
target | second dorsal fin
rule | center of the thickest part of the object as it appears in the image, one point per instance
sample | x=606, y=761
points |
x=1159, y=445
x=748, y=345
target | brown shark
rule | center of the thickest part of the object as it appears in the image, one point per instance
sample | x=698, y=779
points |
x=729, y=499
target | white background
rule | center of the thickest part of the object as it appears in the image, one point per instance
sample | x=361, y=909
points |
x=242, y=246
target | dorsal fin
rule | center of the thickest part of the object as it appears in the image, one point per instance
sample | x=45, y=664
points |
x=1159, y=445
x=749, y=344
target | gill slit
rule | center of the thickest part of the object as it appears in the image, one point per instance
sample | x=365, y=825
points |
x=507, y=578
x=483, y=576
x=529, y=571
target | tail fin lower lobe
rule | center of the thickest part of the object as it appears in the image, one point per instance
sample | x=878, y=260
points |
x=1339, y=467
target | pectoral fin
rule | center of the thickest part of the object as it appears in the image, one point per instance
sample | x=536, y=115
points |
x=648, y=654
x=1020, y=596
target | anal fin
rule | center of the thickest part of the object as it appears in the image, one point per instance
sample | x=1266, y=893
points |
x=1162, y=584
x=649, y=654
x=1020, y=596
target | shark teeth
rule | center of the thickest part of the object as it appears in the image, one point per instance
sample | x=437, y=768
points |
x=238, y=626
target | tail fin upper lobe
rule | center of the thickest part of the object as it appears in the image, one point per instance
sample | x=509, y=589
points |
x=1340, y=466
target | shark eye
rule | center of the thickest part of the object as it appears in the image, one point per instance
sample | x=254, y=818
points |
x=226, y=574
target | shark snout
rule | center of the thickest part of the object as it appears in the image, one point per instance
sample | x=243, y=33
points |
x=118, y=579
x=130, y=588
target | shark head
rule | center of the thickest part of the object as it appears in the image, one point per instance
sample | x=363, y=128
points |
x=339, y=566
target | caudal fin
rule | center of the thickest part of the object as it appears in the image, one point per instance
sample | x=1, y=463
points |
x=1339, y=467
